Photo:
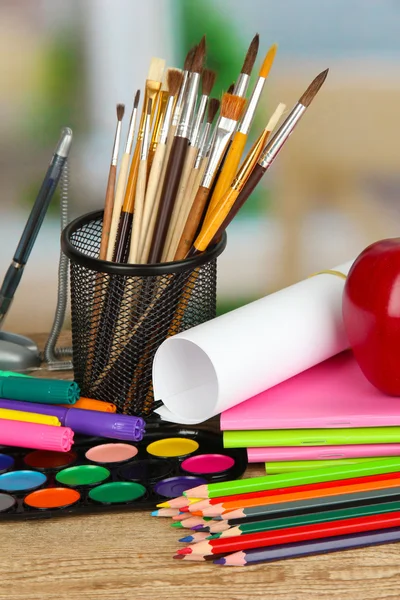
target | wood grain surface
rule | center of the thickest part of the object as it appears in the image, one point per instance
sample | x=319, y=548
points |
x=129, y=556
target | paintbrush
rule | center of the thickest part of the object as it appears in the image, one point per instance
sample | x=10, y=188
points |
x=224, y=206
x=204, y=145
x=177, y=157
x=231, y=110
x=267, y=157
x=153, y=86
x=182, y=202
x=243, y=80
x=158, y=120
x=122, y=179
x=157, y=173
x=239, y=140
x=110, y=192
x=140, y=189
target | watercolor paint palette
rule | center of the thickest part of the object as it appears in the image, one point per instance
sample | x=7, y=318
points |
x=100, y=475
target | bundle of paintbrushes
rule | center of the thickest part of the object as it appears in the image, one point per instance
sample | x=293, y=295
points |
x=181, y=181
x=264, y=519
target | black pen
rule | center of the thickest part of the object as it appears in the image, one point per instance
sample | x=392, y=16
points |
x=34, y=223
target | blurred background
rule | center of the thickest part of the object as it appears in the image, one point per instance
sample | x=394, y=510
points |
x=334, y=188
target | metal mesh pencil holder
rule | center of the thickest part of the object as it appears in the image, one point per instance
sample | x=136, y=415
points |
x=121, y=313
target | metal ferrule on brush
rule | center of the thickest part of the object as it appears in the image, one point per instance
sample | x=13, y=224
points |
x=195, y=137
x=179, y=102
x=248, y=117
x=203, y=145
x=162, y=103
x=241, y=85
x=222, y=136
x=144, y=148
x=114, y=160
x=167, y=120
x=273, y=147
x=185, y=124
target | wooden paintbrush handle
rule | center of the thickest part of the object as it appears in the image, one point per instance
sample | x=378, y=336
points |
x=154, y=182
x=246, y=191
x=138, y=214
x=192, y=223
x=108, y=212
x=182, y=201
x=170, y=190
x=228, y=171
x=119, y=198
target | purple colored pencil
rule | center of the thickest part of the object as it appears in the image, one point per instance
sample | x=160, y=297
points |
x=309, y=548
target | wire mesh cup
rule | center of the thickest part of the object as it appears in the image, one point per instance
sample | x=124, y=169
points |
x=121, y=313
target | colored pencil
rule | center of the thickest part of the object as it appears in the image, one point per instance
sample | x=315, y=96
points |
x=197, y=536
x=165, y=512
x=221, y=509
x=270, y=482
x=201, y=504
x=340, y=543
x=294, y=534
x=308, y=519
x=309, y=504
x=179, y=502
x=189, y=523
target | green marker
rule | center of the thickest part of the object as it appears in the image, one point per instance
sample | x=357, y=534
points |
x=32, y=389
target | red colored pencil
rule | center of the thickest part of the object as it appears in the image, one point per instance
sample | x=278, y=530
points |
x=298, y=488
x=293, y=534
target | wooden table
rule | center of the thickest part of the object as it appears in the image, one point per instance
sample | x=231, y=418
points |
x=129, y=556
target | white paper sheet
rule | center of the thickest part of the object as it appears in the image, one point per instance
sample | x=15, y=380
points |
x=214, y=366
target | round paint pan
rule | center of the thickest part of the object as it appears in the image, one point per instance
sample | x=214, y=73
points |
x=48, y=460
x=52, y=498
x=20, y=481
x=7, y=503
x=111, y=453
x=82, y=475
x=147, y=469
x=6, y=463
x=172, y=447
x=117, y=492
x=175, y=486
x=208, y=464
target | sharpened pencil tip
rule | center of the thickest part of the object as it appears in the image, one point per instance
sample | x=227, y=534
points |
x=219, y=561
x=177, y=524
x=184, y=551
x=198, y=527
x=186, y=540
x=154, y=513
x=178, y=557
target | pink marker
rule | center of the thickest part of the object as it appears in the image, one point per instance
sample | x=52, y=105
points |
x=35, y=435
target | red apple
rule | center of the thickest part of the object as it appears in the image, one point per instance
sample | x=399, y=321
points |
x=371, y=313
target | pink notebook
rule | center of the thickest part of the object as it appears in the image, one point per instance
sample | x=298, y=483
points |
x=334, y=393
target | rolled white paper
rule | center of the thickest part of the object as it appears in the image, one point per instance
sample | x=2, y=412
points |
x=203, y=371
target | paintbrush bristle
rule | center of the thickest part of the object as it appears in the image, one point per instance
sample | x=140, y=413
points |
x=208, y=80
x=120, y=111
x=231, y=88
x=156, y=69
x=212, y=109
x=251, y=55
x=199, y=57
x=280, y=109
x=137, y=98
x=232, y=106
x=149, y=103
x=187, y=65
x=174, y=79
x=268, y=61
x=313, y=89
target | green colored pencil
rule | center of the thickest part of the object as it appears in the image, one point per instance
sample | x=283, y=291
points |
x=285, y=480
x=288, y=466
x=309, y=519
